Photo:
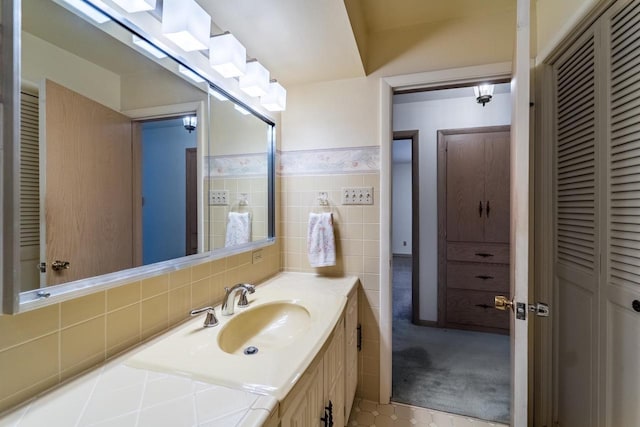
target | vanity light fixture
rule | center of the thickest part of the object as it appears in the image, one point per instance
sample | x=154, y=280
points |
x=483, y=93
x=187, y=72
x=242, y=110
x=217, y=95
x=227, y=55
x=276, y=98
x=190, y=123
x=148, y=47
x=186, y=24
x=255, y=81
x=133, y=6
x=88, y=11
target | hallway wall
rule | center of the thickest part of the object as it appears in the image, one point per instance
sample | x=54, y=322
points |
x=419, y=111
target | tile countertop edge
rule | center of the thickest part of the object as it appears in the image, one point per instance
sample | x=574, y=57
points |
x=261, y=409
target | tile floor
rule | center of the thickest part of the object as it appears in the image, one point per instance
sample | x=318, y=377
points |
x=370, y=414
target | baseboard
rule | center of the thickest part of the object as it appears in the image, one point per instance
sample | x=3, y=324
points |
x=421, y=322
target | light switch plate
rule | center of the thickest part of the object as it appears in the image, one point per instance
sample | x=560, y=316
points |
x=218, y=197
x=357, y=195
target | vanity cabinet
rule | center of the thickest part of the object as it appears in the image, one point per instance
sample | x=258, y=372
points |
x=327, y=388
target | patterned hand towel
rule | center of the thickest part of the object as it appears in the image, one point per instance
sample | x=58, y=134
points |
x=238, y=229
x=321, y=245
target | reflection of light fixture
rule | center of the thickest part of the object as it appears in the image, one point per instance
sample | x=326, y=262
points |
x=483, y=93
x=186, y=24
x=190, y=123
x=227, y=55
x=143, y=44
x=133, y=6
x=242, y=110
x=89, y=11
x=217, y=95
x=255, y=81
x=187, y=72
x=276, y=98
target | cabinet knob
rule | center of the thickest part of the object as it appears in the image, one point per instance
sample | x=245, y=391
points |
x=636, y=305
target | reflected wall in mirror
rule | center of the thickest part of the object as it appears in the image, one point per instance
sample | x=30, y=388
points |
x=111, y=179
x=238, y=175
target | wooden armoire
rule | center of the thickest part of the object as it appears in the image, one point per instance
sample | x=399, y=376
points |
x=473, y=222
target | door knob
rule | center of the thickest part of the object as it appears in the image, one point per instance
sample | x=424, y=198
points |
x=502, y=303
x=58, y=265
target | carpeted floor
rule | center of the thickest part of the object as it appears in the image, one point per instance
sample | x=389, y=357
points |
x=461, y=372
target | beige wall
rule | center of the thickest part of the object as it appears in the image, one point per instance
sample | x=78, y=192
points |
x=356, y=230
x=157, y=88
x=235, y=133
x=41, y=348
x=554, y=20
x=41, y=59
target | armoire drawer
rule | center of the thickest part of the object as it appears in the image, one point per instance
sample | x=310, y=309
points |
x=475, y=308
x=478, y=276
x=494, y=253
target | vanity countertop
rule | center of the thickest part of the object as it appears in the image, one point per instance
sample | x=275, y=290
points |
x=117, y=394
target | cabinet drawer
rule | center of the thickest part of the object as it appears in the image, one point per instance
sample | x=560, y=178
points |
x=494, y=253
x=478, y=276
x=475, y=308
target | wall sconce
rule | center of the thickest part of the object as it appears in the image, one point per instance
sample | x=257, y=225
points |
x=276, y=98
x=190, y=123
x=133, y=6
x=483, y=93
x=186, y=24
x=255, y=81
x=227, y=55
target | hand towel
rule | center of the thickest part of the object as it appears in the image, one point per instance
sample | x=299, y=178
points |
x=321, y=246
x=238, y=229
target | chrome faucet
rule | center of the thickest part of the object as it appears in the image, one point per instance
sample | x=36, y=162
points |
x=229, y=298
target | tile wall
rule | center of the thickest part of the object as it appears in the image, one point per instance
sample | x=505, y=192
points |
x=356, y=231
x=43, y=347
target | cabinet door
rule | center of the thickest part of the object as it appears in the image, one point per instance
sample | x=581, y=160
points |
x=465, y=188
x=496, y=187
x=334, y=375
x=309, y=408
x=351, y=351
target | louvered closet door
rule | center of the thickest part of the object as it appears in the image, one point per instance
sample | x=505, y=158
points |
x=29, y=192
x=576, y=226
x=622, y=286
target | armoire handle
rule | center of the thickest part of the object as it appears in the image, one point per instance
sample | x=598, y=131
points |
x=483, y=254
x=480, y=209
x=483, y=277
x=488, y=208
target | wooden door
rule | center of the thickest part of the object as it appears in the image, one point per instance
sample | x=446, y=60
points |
x=465, y=187
x=191, y=156
x=496, y=188
x=88, y=189
x=519, y=239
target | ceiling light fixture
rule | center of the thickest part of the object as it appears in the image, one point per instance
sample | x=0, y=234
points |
x=255, y=81
x=89, y=11
x=227, y=55
x=276, y=97
x=483, y=93
x=133, y=6
x=190, y=123
x=148, y=47
x=186, y=24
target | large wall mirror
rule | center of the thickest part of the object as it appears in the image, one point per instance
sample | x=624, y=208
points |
x=126, y=164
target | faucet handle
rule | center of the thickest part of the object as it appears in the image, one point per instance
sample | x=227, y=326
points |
x=246, y=288
x=210, y=320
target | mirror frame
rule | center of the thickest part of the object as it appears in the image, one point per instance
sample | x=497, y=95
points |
x=12, y=301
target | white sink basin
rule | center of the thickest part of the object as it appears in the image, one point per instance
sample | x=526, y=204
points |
x=267, y=327
x=288, y=320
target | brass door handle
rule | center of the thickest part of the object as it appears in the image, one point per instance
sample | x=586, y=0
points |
x=502, y=303
x=58, y=265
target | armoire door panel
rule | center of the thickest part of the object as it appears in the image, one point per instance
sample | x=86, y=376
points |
x=497, y=174
x=465, y=188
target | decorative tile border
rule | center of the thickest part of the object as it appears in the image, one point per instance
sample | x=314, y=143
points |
x=237, y=165
x=329, y=161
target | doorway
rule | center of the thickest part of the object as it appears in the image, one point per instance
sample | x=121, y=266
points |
x=453, y=370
